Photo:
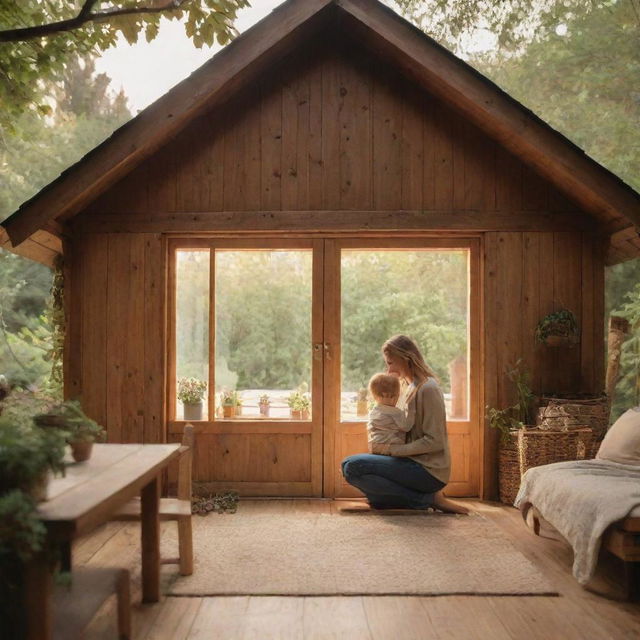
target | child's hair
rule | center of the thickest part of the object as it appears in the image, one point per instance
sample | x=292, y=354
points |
x=383, y=384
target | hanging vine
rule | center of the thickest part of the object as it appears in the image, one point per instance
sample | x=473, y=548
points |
x=58, y=325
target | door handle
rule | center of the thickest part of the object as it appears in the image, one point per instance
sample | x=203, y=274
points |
x=317, y=351
x=327, y=351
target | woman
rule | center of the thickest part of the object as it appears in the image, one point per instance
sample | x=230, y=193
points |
x=410, y=475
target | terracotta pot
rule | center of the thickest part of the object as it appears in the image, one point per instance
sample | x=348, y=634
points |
x=192, y=411
x=228, y=411
x=81, y=450
x=264, y=410
x=296, y=415
x=561, y=341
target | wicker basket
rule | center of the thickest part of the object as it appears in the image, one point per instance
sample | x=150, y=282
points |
x=508, y=469
x=535, y=447
x=562, y=414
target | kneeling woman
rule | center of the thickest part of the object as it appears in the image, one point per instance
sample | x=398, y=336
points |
x=410, y=475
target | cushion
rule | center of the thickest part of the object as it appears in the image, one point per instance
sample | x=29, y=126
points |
x=622, y=442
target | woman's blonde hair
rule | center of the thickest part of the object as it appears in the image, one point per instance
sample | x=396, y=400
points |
x=405, y=348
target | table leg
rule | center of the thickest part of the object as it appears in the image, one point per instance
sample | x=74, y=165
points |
x=150, y=541
x=37, y=598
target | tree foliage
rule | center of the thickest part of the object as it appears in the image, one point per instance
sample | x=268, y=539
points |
x=37, y=39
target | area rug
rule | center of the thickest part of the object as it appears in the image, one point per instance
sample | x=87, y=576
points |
x=321, y=554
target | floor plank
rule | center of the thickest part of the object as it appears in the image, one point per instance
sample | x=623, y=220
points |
x=575, y=615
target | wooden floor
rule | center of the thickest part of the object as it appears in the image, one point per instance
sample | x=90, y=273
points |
x=576, y=614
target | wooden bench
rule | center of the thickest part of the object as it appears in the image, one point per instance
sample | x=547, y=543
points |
x=75, y=606
x=622, y=539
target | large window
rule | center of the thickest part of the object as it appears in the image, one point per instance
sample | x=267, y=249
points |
x=422, y=293
x=260, y=312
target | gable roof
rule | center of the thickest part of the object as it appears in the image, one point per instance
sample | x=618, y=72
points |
x=377, y=27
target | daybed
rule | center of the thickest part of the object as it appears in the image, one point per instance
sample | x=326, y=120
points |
x=593, y=503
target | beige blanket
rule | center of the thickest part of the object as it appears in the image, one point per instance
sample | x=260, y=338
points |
x=581, y=499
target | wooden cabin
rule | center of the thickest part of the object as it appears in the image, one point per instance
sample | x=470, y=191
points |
x=330, y=125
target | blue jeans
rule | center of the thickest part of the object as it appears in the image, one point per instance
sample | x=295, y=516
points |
x=389, y=482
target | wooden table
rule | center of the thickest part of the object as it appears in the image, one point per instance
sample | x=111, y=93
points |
x=85, y=498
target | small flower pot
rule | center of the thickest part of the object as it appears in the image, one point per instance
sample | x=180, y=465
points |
x=305, y=414
x=296, y=415
x=192, y=411
x=561, y=341
x=228, y=411
x=264, y=410
x=81, y=450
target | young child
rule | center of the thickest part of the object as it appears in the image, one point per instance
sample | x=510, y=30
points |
x=387, y=424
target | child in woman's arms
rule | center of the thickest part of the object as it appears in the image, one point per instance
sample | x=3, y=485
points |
x=387, y=423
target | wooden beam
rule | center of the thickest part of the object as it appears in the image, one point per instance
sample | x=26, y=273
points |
x=42, y=247
x=236, y=65
x=520, y=131
x=242, y=221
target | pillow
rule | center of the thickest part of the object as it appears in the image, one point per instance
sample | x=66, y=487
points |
x=622, y=442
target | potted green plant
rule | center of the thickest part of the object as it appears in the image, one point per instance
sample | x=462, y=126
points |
x=508, y=421
x=79, y=429
x=229, y=401
x=28, y=454
x=299, y=405
x=264, y=403
x=361, y=402
x=559, y=328
x=191, y=392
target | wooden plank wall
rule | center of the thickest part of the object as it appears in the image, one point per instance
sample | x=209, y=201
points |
x=327, y=131
x=527, y=276
x=116, y=311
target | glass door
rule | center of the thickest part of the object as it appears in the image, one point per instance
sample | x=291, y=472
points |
x=247, y=365
x=422, y=288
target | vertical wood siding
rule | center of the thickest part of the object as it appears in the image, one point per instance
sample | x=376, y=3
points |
x=331, y=130
x=527, y=276
x=118, y=312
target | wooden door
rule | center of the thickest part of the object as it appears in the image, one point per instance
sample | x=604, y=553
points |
x=344, y=433
x=279, y=454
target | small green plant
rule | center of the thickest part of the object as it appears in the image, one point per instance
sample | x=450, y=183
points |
x=70, y=417
x=299, y=401
x=230, y=398
x=21, y=531
x=28, y=452
x=518, y=415
x=191, y=390
x=264, y=400
x=561, y=323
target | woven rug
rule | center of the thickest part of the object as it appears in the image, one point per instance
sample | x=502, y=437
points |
x=320, y=554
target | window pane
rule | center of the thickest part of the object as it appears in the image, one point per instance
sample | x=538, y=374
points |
x=263, y=333
x=420, y=293
x=192, y=332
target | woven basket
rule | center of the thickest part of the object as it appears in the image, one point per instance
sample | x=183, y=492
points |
x=562, y=414
x=534, y=447
x=537, y=447
x=508, y=469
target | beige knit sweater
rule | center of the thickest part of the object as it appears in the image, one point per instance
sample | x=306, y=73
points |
x=427, y=441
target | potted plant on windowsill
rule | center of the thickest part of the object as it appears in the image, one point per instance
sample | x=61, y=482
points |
x=264, y=403
x=557, y=329
x=191, y=392
x=299, y=405
x=229, y=401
